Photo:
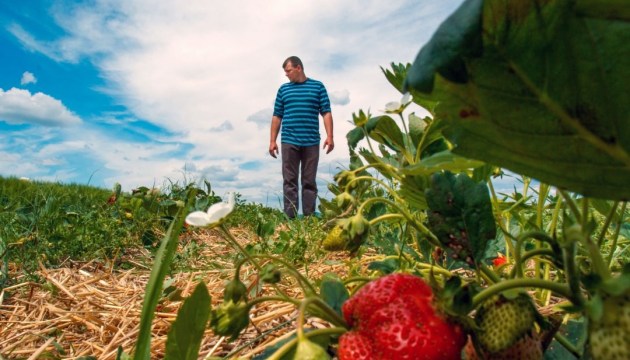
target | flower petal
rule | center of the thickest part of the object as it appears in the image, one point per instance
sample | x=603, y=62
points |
x=406, y=99
x=197, y=218
x=392, y=106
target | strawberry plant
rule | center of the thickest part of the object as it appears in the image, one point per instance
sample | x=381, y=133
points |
x=494, y=79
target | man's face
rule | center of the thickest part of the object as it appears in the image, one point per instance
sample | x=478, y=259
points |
x=292, y=72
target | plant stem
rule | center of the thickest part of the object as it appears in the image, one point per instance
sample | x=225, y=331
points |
x=572, y=205
x=499, y=287
x=238, y=246
x=300, y=278
x=613, y=247
x=609, y=218
x=538, y=235
x=284, y=350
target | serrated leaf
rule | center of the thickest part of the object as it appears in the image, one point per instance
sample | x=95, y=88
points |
x=333, y=292
x=460, y=215
x=387, y=132
x=184, y=337
x=515, y=109
x=444, y=160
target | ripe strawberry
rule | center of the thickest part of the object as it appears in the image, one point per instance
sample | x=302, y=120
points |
x=529, y=347
x=502, y=321
x=609, y=335
x=499, y=260
x=353, y=345
x=395, y=317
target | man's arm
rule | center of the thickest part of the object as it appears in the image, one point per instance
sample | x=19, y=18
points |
x=275, y=129
x=328, y=125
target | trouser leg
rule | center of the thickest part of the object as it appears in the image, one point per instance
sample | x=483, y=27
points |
x=290, y=173
x=310, y=160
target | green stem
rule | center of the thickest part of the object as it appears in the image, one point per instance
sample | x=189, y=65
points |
x=609, y=218
x=499, y=287
x=300, y=278
x=421, y=143
x=419, y=226
x=538, y=235
x=238, y=246
x=380, y=182
x=262, y=299
x=572, y=205
x=491, y=275
x=553, y=224
x=385, y=217
x=616, y=236
x=284, y=349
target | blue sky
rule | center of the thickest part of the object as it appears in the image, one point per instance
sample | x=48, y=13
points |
x=142, y=92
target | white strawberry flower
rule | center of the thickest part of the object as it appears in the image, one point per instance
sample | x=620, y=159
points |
x=397, y=107
x=215, y=215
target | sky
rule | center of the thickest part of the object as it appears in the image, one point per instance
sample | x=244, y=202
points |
x=147, y=93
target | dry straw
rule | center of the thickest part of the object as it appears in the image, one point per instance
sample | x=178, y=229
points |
x=91, y=309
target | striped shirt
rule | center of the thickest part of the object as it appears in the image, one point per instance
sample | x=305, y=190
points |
x=299, y=106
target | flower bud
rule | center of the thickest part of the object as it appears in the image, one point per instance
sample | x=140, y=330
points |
x=308, y=350
x=235, y=291
x=230, y=318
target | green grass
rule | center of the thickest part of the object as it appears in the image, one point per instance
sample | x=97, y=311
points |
x=53, y=223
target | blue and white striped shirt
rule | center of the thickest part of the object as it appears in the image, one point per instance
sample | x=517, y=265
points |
x=299, y=106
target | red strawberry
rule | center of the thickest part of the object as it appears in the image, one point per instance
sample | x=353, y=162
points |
x=395, y=317
x=353, y=345
x=499, y=260
x=380, y=292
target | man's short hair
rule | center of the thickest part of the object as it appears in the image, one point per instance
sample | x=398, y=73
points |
x=294, y=60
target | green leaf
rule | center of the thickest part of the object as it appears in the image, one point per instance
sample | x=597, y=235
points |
x=333, y=292
x=460, y=215
x=153, y=292
x=515, y=108
x=184, y=337
x=396, y=76
x=386, y=132
x=444, y=160
x=412, y=189
x=386, y=266
x=458, y=37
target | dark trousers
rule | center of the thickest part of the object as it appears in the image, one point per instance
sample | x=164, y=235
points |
x=296, y=159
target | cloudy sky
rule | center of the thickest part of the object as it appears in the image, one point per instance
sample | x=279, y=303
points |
x=143, y=92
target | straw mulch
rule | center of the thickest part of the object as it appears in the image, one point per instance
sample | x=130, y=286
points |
x=92, y=309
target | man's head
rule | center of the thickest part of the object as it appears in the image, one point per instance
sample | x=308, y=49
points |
x=293, y=69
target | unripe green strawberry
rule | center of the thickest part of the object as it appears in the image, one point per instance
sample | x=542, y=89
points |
x=335, y=241
x=502, y=321
x=529, y=347
x=609, y=336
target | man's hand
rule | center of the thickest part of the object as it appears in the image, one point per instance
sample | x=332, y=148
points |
x=273, y=150
x=330, y=144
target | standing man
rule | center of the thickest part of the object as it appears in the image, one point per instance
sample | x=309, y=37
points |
x=298, y=106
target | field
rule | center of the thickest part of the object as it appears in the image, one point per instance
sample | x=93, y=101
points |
x=418, y=255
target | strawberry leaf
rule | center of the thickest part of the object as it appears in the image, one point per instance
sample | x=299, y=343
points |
x=546, y=97
x=460, y=215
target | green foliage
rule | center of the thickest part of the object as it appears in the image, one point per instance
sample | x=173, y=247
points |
x=460, y=215
x=510, y=105
x=186, y=333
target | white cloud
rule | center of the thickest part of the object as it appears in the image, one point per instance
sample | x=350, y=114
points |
x=28, y=78
x=19, y=106
x=224, y=126
x=340, y=97
x=189, y=66
x=262, y=118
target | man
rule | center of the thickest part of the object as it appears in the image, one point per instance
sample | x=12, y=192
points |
x=297, y=108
